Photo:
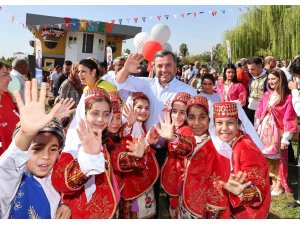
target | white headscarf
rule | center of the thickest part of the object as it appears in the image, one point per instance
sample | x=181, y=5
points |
x=224, y=148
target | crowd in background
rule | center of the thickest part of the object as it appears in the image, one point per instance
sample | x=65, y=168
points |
x=217, y=142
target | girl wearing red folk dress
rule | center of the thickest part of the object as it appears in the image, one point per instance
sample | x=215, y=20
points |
x=172, y=171
x=202, y=195
x=84, y=175
x=277, y=122
x=140, y=171
x=248, y=185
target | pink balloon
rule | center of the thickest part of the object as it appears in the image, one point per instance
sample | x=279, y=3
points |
x=150, y=48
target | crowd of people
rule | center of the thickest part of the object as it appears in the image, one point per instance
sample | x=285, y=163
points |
x=115, y=139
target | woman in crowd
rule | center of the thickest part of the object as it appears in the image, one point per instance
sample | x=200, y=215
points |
x=196, y=80
x=277, y=121
x=231, y=89
x=9, y=115
x=248, y=185
x=71, y=87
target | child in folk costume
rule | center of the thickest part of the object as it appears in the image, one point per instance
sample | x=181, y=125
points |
x=118, y=137
x=172, y=171
x=84, y=175
x=202, y=195
x=26, y=166
x=248, y=185
x=139, y=169
x=277, y=122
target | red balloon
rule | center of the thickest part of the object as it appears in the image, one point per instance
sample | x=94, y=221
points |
x=150, y=48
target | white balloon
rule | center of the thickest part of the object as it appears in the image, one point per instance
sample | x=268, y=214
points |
x=161, y=33
x=167, y=46
x=140, y=39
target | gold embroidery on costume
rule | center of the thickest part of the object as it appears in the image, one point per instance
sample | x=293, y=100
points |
x=32, y=213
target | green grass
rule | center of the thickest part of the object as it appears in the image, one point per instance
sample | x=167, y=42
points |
x=278, y=209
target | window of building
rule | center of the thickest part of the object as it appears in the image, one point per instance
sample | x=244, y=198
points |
x=88, y=40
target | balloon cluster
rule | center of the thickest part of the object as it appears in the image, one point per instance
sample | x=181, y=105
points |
x=148, y=45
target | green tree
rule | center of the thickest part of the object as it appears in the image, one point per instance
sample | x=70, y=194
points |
x=266, y=30
x=183, y=49
x=127, y=51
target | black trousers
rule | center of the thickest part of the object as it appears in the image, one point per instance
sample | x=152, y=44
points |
x=250, y=114
x=160, y=156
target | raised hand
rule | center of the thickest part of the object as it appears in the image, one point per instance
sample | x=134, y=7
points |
x=130, y=115
x=132, y=64
x=136, y=147
x=65, y=109
x=293, y=84
x=91, y=143
x=166, y=129
x=236, y=183
x=33, y=116
x=152, y=136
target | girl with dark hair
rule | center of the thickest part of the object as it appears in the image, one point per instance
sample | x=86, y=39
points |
x=134, y=161
x=248, y=184
x=277, y=121
x=172, y=171
x=84, y=174
x=208, y=90
x=231, y=89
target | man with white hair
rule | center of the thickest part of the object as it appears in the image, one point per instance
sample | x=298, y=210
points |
x=270, y=63
x=19, y=70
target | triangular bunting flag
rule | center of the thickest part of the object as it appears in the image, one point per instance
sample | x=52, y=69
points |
x=113, y=21
x=195, y=14
x=0, y=8
x=120, y=21
x=188, y=14
x=240, y=9
x=12, y=19
x=158, y=17
x=128, y=19
x=175, y=15
x=144, y=19
x=223, y=11
x=167, y=16
x=213, y=12
x=59, y=25
x=135, y=19
x=182, y=14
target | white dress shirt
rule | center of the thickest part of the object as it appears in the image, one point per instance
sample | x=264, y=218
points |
x=159, y=96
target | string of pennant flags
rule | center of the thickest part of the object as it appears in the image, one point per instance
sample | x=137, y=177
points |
x=132, y=20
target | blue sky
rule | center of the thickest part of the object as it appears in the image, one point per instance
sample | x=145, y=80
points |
x=199, y=33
